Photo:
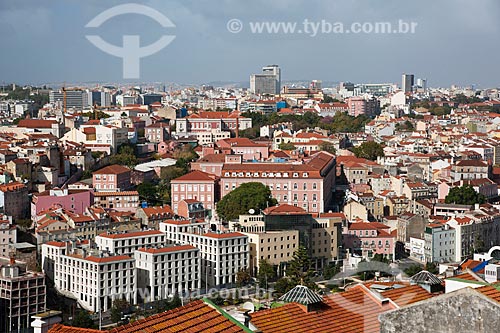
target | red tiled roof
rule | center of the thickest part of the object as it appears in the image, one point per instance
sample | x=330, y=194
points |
x=194, y=317
x=490, y=291
x=284, y=209
x=158, y=210
x=114, y=169
x=355, y=310
x=54, y=243
x=196, y=176
x=407, y=295
x=36, y=123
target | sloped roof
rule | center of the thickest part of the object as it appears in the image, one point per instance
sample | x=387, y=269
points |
x=198, y=316
x=284, y=209
x=301, y=294
x=112, y=169
x=195, y=175
x=355, y=310
x=407, y=295
x=425, y=277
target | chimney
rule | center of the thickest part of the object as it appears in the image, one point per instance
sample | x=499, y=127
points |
x=247, y=317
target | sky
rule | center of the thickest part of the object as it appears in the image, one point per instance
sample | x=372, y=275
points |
x=455, y=41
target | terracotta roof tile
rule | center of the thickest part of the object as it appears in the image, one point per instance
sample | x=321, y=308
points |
x=114, y=169
x=355, y=310
x=195, y=175
x=195, y=317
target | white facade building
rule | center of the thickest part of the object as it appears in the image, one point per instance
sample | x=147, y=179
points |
x=126, y=243
x=95, y=281
x=166, y=271
x=222, y=254
x=439, y=243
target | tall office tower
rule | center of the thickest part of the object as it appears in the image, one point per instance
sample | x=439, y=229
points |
x=75, y=99
x=422, y=83
x=267, y=82
x=100, y=98
x=407, y=82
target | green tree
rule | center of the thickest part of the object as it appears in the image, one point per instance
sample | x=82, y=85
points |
x=328, y=147
x=369, y=150
x=381, y=258
x=329, y=99
x=299, y=269
x=266, y=272
x=464, y=195
x=126, y=156
x=82, y=319
x=286, y=146
x=431, y=268
x=243, y=277
x=330, y=271
x=147, y=191
x=119, y=305
x=247, y=196
x=24, y=223
x=86, y=174
x=283, y=285
x=413, y=269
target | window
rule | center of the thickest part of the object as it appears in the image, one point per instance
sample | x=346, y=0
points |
x=295, y=186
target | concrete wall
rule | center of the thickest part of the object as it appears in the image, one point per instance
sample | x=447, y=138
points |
x=465, y=310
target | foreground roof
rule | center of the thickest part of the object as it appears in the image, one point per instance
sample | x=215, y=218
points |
x=198, y=316
x=355, y=310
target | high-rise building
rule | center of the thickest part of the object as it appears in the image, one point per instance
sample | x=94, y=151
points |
x=267, y=82
x=407, y=82
x=422, y=84
x=75, y=99
x=99, y=98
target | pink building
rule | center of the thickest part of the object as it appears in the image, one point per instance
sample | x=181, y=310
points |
x=157, y=132
x=308, y=185
x=195, y=185
x=245, y=147
x=370, y=238
x=111, y=178
x=211, y=163
x=206, y=121
x=75, y=201
x=357, y=106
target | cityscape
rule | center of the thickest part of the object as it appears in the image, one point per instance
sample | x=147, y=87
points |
x=277, y=198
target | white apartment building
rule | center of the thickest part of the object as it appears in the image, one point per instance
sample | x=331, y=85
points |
x=165, y=271
x=439, y=243
x=8, y=235
x=98, y=134
x=126, y=243
x=95, y=280
x=222, y=254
